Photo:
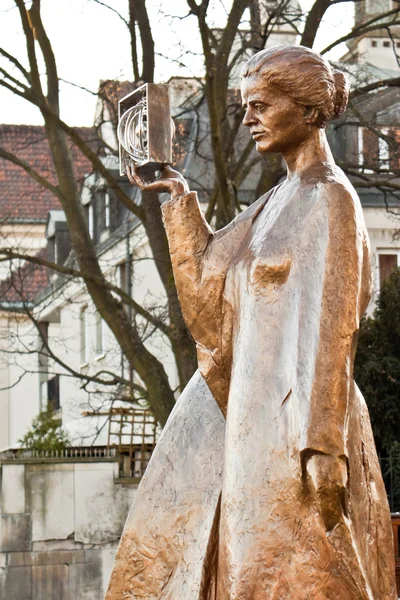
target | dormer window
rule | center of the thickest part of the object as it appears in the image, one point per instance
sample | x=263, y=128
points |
x=377, y=152
x=384, y=152
x=388, y=260
x=101, y=211
x=58, y=238
x=105, y=214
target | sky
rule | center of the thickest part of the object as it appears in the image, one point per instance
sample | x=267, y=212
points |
x=92, y=43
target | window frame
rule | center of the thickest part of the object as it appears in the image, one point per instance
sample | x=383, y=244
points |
x=83, y=336
x=384, y=252
x=100, y=335
x=383, y=151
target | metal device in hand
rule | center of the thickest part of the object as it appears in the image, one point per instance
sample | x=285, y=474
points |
x=145, y=130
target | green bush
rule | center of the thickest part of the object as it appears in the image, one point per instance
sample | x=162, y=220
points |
x=377, y=365
x=377, y=373
x=46, y=434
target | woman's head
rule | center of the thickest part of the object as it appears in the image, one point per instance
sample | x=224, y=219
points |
x=305, y=76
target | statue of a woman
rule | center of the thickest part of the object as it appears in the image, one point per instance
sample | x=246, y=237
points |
x=274, y=302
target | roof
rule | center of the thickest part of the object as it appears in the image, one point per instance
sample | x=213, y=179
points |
x=55, y=220
x=21, y=198
x=363, y=73
x=380, y=98
x=110, y=91
x=25, y=282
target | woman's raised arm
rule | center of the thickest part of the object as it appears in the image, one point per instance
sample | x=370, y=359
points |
x=188, y=234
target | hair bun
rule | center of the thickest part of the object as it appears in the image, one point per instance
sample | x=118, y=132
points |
x=342, y=90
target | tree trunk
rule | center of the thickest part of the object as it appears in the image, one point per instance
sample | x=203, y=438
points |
x=149, y=369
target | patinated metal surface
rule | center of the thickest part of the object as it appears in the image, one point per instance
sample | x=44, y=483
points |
x=164, y=543
x=145, y=129
x=274, y=302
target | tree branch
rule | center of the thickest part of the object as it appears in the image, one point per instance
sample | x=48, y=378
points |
x=48, y=55
x=9, y=254
x=376, y=85
x=30, y=46
x=359, y=30
x=16, y=63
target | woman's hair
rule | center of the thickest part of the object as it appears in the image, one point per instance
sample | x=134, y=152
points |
x=303, y=75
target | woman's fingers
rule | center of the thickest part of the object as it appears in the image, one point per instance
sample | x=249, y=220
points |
x=170, y=181
x=130, y=175
x=134, y=177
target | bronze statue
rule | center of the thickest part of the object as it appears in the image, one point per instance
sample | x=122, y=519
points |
x=286, y=501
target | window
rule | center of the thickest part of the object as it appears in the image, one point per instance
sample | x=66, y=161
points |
x=124, y=276
x=59, y=246
x=91, y=221
x=102, y=213
x=374, y=43
x=84, y=337
x=375, y=152
x=99, y=335
x=360, y=146
x=118, y=212
x=386, y=44
x=387, y=261
x=53, y=393
x=383, y=152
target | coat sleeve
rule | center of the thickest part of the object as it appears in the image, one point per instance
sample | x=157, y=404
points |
x=200, y=261
x=188, y=237
x=345, y=295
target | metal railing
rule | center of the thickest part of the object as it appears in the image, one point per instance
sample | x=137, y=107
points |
x=90, y=452
x=133, y=459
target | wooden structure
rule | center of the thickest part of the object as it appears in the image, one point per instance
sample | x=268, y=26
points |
x=133, y=432
x=132, y=435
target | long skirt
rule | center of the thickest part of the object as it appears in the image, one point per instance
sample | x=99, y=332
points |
x=177, y=544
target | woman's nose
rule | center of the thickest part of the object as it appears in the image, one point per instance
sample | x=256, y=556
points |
x=248, y=118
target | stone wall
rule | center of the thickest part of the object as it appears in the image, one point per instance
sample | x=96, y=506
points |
x=60, y=524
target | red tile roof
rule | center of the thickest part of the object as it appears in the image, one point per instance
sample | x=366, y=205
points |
x=20, y=196
x=24, y=282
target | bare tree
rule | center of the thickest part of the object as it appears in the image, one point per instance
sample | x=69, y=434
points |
x=247, y=28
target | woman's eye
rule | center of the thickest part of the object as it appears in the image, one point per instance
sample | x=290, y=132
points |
x=260, y=107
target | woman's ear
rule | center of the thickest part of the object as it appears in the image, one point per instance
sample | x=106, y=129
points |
x=311, y=115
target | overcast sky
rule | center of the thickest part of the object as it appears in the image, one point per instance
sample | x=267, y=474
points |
x=92, y=43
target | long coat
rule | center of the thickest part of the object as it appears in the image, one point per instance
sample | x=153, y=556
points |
x=229, y=512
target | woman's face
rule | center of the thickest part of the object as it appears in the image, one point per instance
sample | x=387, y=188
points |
x=276, y=122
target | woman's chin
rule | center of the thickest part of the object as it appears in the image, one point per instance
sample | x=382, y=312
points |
x=263, y=147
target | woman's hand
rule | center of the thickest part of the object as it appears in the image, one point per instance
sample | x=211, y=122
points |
x=170, y=181
x=329, y=476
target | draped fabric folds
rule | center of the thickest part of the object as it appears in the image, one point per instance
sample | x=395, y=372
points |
x=226, y=510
